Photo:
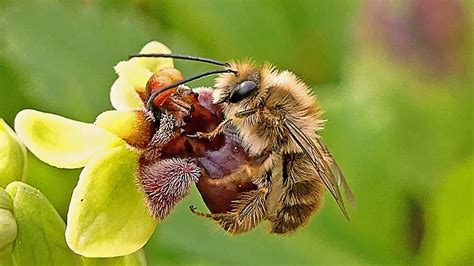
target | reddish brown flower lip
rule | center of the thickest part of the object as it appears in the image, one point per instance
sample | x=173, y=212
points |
x=172, y=160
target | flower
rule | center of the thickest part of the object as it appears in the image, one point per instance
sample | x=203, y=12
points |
x=40, y=238
x=31, y=231
x=107, y=215
x=133, y=76
x=8, y=228
x=12, y=156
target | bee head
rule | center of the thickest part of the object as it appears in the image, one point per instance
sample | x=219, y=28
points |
x=242, y=85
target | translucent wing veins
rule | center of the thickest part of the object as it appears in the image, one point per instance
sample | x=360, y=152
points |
x=341, y=180
x=329, y=174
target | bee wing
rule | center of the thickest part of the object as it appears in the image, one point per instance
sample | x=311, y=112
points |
x=340, y=179
x=324, y=168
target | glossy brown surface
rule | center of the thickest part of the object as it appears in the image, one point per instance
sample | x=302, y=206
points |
x=218, y=158
x=158, y=80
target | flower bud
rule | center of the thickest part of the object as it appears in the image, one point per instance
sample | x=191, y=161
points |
x=40, y=239
x=12, y=156
x=8, y=228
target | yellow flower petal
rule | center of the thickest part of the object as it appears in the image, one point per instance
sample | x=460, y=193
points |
x=136, y=75
x=12, y=156
x=124, y=97
x=154, y=64
x=135, y=259
x=131, y=126
x=62, y=142
x=107, y=215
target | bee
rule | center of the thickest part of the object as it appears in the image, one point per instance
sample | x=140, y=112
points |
x=278, y=120
x=277, y=114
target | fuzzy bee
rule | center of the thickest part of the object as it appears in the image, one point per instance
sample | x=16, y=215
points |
x=278, y=120
x=277, y=115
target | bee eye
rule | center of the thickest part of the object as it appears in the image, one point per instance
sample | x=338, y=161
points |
x=242, y=90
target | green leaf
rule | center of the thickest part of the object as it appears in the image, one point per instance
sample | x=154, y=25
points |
x=40, y=239
x=12, y=156
x=107, y=215
x=62, y=142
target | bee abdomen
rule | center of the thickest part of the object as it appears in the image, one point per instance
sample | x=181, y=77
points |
x=296, y=206
x=300, y=196
x=305, y=192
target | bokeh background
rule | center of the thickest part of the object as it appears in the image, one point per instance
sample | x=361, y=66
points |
x=395, y=79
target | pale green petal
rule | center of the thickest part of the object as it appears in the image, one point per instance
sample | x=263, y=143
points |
x=136, y=75
x=124, y=97
x=154, y=64
x=135, y=259
x=40, y=239
x=107, y=215
x=120, y=123
x=132, y=126
x=62, y=142
x=12, y=156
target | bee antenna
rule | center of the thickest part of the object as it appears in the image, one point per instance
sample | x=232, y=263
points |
x=185, y=57
x=152, y=97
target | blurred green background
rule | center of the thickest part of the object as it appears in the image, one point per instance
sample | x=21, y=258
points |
x=395, y=79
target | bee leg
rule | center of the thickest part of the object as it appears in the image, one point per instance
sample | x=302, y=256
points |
x=202, y=214
x=223, y=125
x=224, y=219
x=213, y=216
x=246, y=113
x=213, y=133
x=248, y=209
x=301, y=195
